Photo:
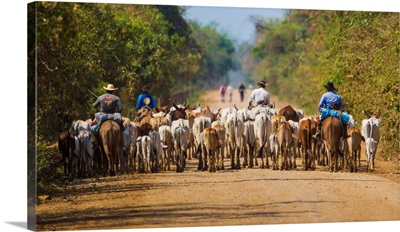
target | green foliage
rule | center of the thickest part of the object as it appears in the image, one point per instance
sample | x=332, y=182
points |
x=358, y=51
x=218, y=50
x=77, y=48
x=81, y=47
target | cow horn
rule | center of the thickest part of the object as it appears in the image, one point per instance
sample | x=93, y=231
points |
x=273, y=105
x=176, y=107
x=235, y=106
x=184, y=102
x=216, y=114
x=379, y=113
x=365, y=112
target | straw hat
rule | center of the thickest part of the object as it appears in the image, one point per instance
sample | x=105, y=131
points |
x=110, y=87
x=262, y=83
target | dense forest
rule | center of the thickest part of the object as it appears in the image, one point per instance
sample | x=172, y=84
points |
x=74, y=49
x=77, y=48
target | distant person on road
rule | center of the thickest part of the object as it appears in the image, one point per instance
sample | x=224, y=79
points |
x=259, y=96
x=222, y=92
x=229, y=89
x=241, y=92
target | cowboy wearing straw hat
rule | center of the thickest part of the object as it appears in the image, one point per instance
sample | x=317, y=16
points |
x=109, y=104
x=260, y=95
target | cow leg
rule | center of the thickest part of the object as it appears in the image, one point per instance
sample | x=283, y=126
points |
x=238, y=158
x=232, y=156
x=372, y=160
x=266, y=148
x=245, y=154
x=287, y=159
x=205, y=158
x=251, y=155
x=200, y=157
x=260, y=155
x=304, y=160
x=222, y=156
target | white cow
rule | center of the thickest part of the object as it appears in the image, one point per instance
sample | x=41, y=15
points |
x=132, y=155
x=167, y=143
x=180, y=133
x=274, y=149
x=295, y=142
x=262, y=130
x=144, y=152
x=84, y=148
x=157, y=152
x=200, y=123
x=371, y=134
x=235, y=130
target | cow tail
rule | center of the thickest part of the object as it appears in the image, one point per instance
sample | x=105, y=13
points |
x=308, y=140
x=371, y=126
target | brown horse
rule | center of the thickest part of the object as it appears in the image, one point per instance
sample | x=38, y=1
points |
x=110, y=140
x=331, y=133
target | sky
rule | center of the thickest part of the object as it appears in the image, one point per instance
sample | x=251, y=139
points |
x=235, y=21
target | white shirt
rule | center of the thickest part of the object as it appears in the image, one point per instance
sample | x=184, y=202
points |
x=229, y=89
x=259, y=94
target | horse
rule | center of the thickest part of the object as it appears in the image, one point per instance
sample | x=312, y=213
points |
x=331, y=133
x=110, y=142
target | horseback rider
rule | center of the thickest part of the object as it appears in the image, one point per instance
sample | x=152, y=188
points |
x=329, y=100
x=145, y=99
x=109, y=104
x=260, y=95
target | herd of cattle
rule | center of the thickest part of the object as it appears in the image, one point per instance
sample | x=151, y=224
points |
x=161, y=136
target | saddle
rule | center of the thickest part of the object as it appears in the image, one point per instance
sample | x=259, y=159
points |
x=101, y=117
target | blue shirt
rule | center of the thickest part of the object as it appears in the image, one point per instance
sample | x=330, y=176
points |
x=328, y=99
x=145, y=100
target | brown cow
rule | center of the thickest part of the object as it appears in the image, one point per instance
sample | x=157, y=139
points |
x=221, y=136
x=208, y=113
x=211, y=143
x=307, y=129
x=163, y=109
x=331, y=133
x=66, y=146
x=142, y=121
x=354, y=142
x=178, y=112
x=289, y=113
x=156, y=122
x=285, y=140
x=275, y=119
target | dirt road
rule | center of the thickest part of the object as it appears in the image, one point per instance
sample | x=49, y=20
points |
x=230, y=197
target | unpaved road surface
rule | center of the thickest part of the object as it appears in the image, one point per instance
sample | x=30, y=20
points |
x=230, y=197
